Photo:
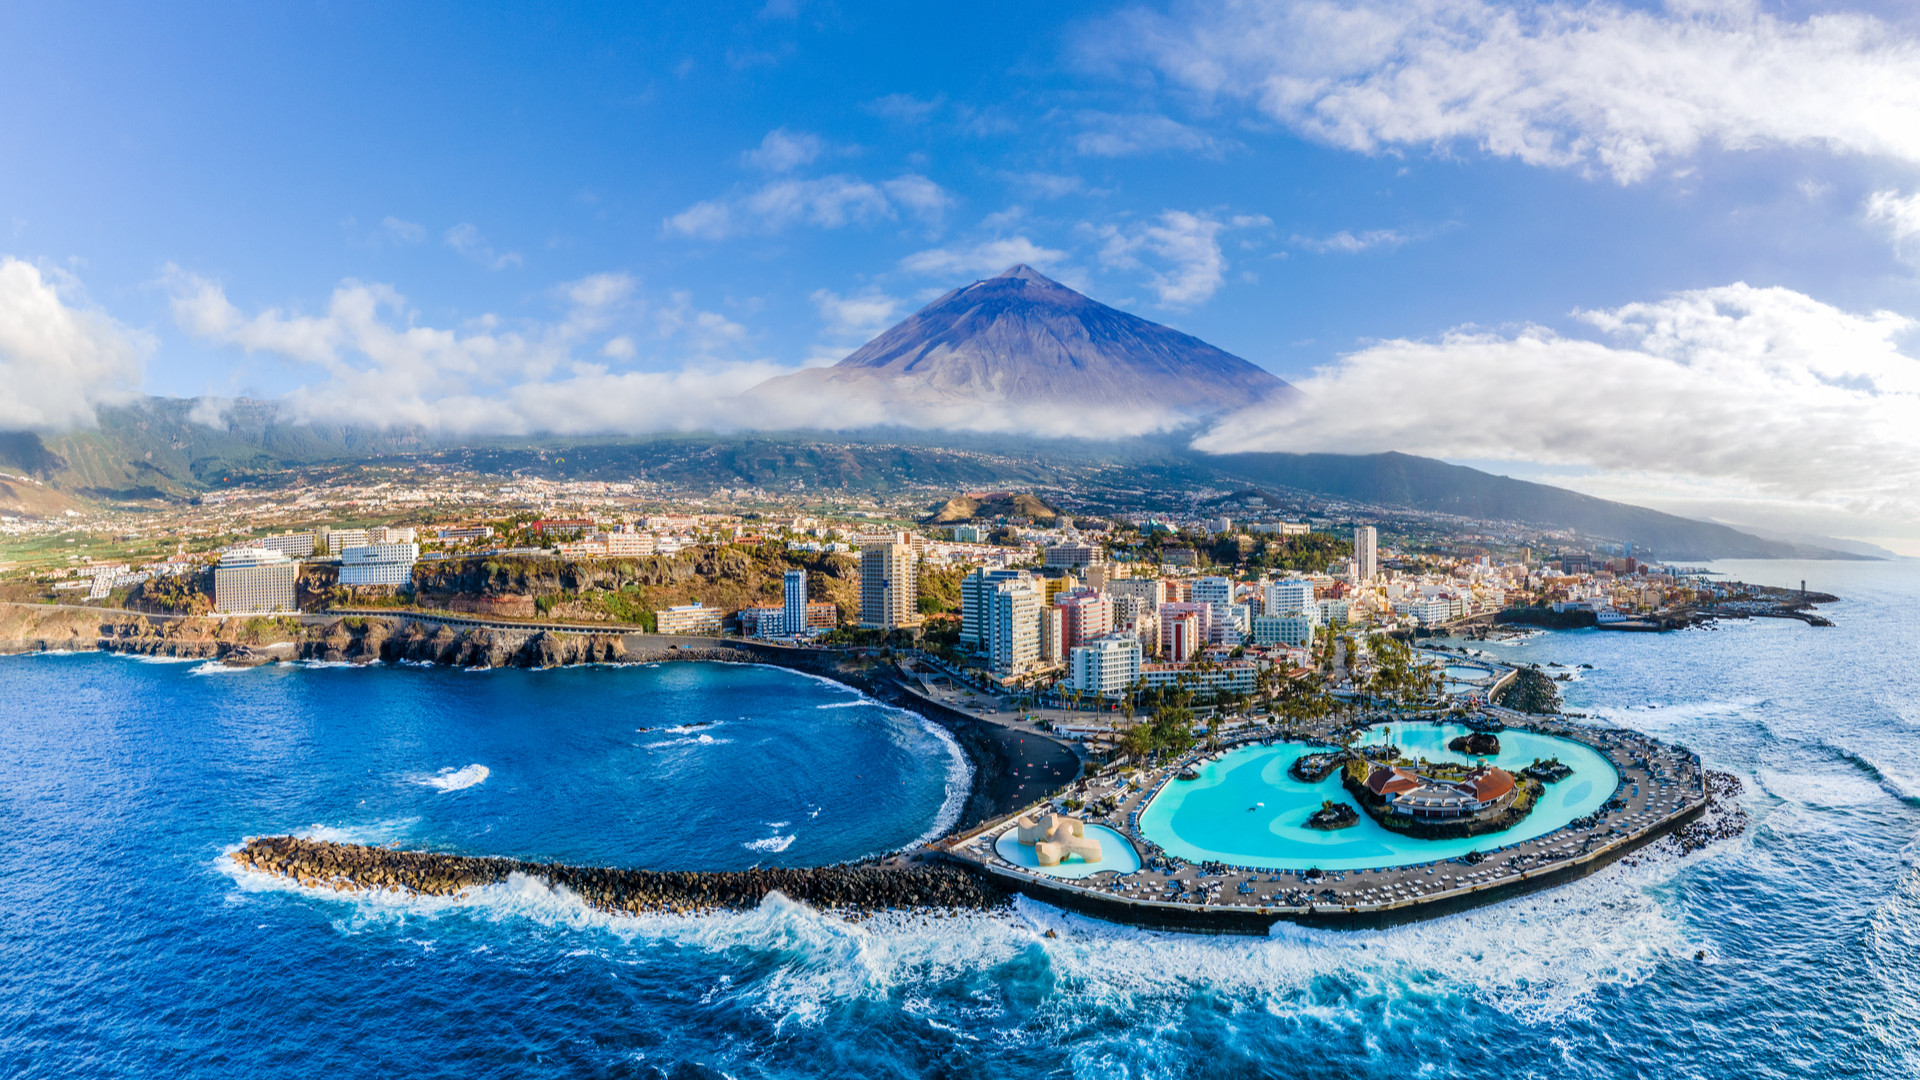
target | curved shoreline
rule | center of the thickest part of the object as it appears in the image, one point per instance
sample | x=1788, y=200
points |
x=1013, y=770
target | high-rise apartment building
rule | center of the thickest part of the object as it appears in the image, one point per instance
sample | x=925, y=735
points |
x=1366, y=554
x=1106, y=665
x=1291, y=596
x=1084, y=615
x=976, y=601
x=1013, y=628
x=889, y=597
x=379, y=564
x=254, y=579
x=1180, y=632
x=795, y=598
x=1152, y=592
x=1052, y=651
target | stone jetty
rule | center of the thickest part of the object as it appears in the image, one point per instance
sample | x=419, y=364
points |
x=855, y=889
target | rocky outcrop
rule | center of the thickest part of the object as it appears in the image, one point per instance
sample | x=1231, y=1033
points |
x=245, y=642
x=852, y=889
x=1476, y=744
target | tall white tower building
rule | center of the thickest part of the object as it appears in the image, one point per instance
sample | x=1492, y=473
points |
x=1366, y=554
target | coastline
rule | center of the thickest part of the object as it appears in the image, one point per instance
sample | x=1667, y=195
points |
x=1014, y=770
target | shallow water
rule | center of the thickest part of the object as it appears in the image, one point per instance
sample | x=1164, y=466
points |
x=126, y=948
x=1246, y=809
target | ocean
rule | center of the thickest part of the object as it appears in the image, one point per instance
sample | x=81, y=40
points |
x=129, y=946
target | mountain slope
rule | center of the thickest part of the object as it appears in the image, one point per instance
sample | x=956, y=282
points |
x=1416, y=483
x=1021, y=344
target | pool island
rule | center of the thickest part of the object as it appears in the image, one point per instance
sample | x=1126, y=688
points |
x=1237, y=838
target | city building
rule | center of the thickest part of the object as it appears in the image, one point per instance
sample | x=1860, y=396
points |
x=1084, y=615
x=339, y=540
x=379, y=564
x=1013, y=628
x=1151, y=592
x=292, y=545
x=763, y=621
x=1230, y=677
x=1295, y=629
x=1366, y=554
x=254, y=580
x=794, y=595
x=447, y=533
x=969, y=534
x=688, y=619
x=1181, y=634
x=1106, y=665
x=976, y=601
x=389, y=534
x=1052, y=648
x=1073, y=555
x=1291, y=596
x=888, y=595
x=629, y=545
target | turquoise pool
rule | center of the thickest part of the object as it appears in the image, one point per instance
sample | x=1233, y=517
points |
x=1117, y=854
x=1246, y=810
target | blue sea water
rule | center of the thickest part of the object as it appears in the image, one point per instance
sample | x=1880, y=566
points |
x=128, y=948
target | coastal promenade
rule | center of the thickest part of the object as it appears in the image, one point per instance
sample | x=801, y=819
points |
x=1661, y=788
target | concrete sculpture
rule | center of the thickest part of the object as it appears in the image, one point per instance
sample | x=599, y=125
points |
x=1056, y=836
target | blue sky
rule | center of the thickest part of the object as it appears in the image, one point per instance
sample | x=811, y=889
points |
x=610, y=218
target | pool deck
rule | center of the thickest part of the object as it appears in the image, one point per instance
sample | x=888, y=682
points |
x=1661, y=786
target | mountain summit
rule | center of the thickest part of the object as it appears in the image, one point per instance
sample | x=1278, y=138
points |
x=1021, y=343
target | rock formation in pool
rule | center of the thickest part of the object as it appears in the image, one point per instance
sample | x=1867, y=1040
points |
x=1440, y=800
x=1477, y=744
x=1333, y=815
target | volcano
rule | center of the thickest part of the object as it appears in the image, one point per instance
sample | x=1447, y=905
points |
x=1023, y=343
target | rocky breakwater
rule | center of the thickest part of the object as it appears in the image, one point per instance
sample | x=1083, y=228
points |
x=853, y=890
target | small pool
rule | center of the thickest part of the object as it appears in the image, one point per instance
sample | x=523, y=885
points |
x=1246, y=810
x=1467, y=674
x=1116, y=851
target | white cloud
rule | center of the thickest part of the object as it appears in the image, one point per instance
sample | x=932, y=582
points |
x=784, y=151
x=58, y=361
x=906, y=108
x=981, y=259
x=1187, y=246
x=1047, y=185
x=1587, y=85
x=467, y=240
x=1126, y=134
x=1762, y=394
x=828, y=202
x=1347, y=243
x=404, y=232
x=1901, y=217
x=377, y=365
x=861, y=315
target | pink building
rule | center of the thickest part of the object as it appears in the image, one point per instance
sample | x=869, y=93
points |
x=1182, y=634
x=1084, y=615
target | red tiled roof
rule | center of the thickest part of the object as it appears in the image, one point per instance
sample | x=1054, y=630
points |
x=1492, y=784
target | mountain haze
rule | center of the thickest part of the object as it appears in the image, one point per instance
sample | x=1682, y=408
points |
x=1022, y=341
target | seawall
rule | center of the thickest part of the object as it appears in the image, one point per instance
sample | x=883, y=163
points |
x=855, y=889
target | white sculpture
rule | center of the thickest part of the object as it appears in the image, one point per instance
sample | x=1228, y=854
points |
x=1056, y=836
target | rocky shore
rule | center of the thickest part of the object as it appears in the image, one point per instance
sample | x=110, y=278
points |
x=852, y=890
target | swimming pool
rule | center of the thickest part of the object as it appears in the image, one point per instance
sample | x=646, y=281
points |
x=1246, y=810
x=1116, y=853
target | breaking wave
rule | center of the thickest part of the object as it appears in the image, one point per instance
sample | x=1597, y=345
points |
x=452, y=779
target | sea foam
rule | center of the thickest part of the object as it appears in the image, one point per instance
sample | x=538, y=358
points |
x=452, y=779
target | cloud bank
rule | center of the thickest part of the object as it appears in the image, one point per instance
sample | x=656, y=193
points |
x=1594, y=86
x=59, y=361
x=1762, y=394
